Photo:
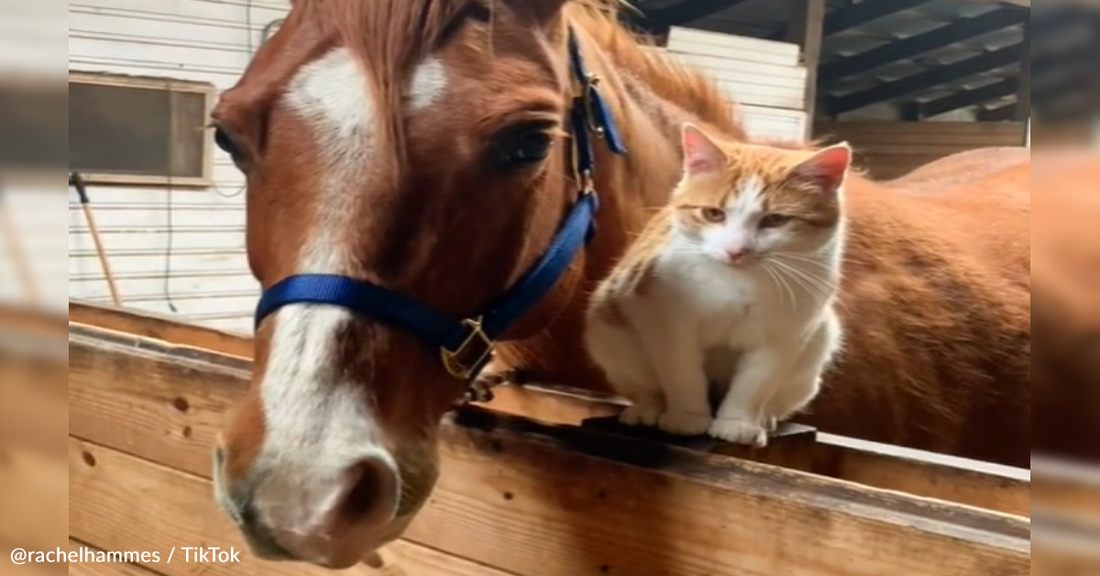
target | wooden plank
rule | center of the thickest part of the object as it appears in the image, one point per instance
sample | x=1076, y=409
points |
x=702, y=514
x=706, y=41
x=92, y=568
x=159, y=327
x=928, y=128
x=807, y=30
x=762, y=122
x=33, y=499
x=181, y=512
x=1066, y=486
x=153, y=403
x=25, y=320
x=7, y=568
x=1022, y=109
x=915, y=472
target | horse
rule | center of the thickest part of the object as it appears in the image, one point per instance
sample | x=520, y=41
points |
x=434, y=185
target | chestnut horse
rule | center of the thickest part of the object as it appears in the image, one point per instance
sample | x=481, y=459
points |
x=412, y=163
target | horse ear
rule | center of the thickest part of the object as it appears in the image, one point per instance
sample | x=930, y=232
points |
x=541, y=11
x=701, y=154
x=827, y=169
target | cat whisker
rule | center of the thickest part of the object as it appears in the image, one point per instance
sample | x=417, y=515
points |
x=813, y=285
x=803, y=259
x=780, y=283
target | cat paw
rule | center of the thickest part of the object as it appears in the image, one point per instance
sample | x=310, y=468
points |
x=771, y=424
x=739, y=431
x=640, y=415
x=685, y=423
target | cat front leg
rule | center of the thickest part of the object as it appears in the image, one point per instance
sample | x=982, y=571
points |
x=617, y=350
x=678, y=362
x=741, y=418
x=803, y=381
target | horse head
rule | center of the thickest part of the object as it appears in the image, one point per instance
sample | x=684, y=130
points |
x=420, y=186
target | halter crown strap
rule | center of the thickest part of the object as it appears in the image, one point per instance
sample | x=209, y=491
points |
x=466, y=345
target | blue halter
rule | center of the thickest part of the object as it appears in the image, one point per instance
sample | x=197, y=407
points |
x=466, y=346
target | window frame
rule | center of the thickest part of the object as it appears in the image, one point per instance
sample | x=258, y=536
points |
x=206, y=89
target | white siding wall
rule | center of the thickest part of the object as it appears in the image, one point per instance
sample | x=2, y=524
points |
x=764, y=77
x=31, y=219
x=181, y=245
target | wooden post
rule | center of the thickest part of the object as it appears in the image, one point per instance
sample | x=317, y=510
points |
x=807, y=29
x=1023, y=91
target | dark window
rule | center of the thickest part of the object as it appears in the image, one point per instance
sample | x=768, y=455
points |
x=130, y=130
x=33, y=125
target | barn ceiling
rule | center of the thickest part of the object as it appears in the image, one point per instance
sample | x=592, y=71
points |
x=922, y=58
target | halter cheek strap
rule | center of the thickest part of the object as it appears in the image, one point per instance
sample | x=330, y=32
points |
x=466, y=346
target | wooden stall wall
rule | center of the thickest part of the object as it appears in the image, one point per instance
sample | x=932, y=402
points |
x=1059, y=136
x=169, y=245
x=889, y=149
x=764, y=77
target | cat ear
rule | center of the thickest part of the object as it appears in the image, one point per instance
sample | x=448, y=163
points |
x=701, y=154
x=827, y=169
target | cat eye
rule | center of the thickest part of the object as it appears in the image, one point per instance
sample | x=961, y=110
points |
x=775, y=220
x=714, y=215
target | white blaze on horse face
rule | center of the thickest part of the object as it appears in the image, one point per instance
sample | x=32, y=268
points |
x=318, y=421
x=429, y=83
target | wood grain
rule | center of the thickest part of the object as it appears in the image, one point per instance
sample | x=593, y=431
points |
x=539, y=500
x=178, y=510
x=888, y=149
x=33, y=499
x=159, y=327
x=888, y=467
x=102, y=569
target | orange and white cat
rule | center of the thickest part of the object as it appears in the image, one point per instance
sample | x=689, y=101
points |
x=730, y=290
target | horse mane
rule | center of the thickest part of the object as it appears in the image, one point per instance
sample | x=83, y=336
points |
x=393, y=36
x=664, y=75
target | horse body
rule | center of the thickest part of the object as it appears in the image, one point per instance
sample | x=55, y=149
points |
x=401, y=142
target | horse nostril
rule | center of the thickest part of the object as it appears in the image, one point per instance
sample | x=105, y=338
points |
x=373, y=492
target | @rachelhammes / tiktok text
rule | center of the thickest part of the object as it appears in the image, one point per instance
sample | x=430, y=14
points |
x=196, y=554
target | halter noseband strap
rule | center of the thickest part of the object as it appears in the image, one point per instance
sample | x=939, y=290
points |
x=466, y=345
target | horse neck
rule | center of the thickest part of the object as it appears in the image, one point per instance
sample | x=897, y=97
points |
x=632, y=188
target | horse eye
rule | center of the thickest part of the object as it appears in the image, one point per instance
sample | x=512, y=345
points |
x=775, y=220
x=227, y=145
x=525, y=147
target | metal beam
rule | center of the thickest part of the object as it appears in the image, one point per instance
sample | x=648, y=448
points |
x=931, y=78
x=968, y=98
x=1075, y=69
x=843, y=19
x=913, y=46
x=689, y=11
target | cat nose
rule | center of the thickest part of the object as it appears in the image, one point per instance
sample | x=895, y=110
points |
x=738, y=255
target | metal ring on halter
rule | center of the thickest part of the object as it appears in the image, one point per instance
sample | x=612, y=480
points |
x=471, y=355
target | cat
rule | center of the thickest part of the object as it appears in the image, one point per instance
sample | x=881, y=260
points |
x=731, y=290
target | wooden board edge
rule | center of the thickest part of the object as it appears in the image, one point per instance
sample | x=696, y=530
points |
x=558, y=405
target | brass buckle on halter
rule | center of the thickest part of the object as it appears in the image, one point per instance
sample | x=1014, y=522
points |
x=463, y=362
